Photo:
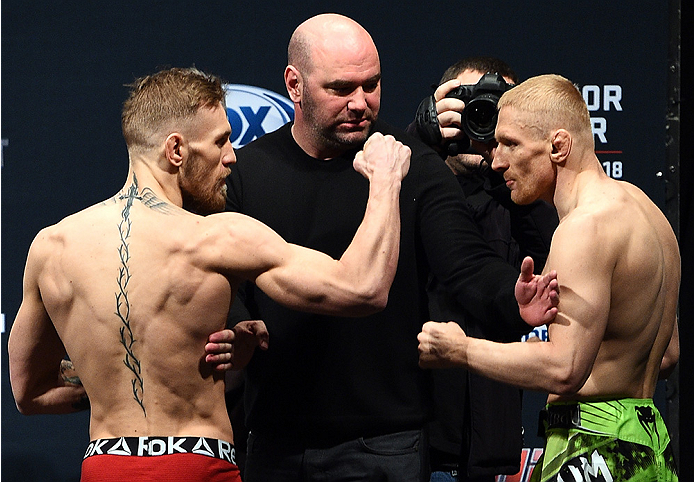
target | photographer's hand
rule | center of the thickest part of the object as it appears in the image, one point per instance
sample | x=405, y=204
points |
x=449, y=110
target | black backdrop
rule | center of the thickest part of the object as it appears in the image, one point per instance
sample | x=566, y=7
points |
x=64, y=64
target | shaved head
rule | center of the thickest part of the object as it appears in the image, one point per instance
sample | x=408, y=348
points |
x=325, y=36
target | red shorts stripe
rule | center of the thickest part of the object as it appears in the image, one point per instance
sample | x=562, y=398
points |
x=169, y=468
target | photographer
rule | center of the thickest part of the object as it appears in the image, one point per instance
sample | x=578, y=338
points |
x=477, y=432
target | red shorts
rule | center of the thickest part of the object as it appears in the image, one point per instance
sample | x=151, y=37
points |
x=152, y=459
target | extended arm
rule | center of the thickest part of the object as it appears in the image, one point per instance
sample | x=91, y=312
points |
x=356, y=284
x=35, y=354
x=561, y=365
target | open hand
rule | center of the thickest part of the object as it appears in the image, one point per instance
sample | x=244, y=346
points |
x=537, y=295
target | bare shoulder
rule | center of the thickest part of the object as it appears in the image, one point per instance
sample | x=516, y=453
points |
x=590, y=222
x=51, y=238
x=73, y=224
x=234, y=243
x=584, y=246
x=643, y=240
x=223, y=227
x=609, y=220
x=653, y=212
x=618, y=209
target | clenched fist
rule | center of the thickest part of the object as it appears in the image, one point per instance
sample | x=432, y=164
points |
x=383, y=154
x=442, y=345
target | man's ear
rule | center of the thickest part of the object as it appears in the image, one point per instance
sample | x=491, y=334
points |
x=293, y=81
x=174, y=149
x=561, y=145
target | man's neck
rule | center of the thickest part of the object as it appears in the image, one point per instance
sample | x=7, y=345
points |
x=573, y=180
x=160, y=185
x=305, y=141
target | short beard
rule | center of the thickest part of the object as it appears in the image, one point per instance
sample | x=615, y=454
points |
x=332, y=140
x=326, y=136
x=190, y=178
x=203, y=206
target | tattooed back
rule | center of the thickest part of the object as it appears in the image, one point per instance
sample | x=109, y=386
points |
x=133, y=299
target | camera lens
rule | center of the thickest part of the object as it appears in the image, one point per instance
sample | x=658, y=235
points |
x=479, y=117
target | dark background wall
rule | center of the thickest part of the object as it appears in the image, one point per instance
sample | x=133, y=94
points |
x=64, y=64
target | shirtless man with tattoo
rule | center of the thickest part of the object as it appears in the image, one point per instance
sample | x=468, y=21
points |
x=131, y=288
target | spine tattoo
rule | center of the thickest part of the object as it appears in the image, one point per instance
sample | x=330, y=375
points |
x=127, y=337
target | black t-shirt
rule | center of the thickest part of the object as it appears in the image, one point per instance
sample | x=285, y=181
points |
x=341, y=378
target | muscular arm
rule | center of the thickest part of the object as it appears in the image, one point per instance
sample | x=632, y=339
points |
x=561, y=365
x=358, y=283
x=36, y=351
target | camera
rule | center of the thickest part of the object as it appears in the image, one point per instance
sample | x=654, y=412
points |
x=478, y=119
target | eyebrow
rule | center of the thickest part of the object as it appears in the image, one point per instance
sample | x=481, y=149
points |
x=502, y=137
x=338, y=84
x=224, y=135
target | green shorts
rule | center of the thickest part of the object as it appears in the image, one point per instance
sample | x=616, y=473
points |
x=608, y=441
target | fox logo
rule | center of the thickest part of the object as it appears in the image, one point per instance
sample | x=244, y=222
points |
x=253, y=111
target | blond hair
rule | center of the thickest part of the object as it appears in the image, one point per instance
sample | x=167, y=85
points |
x=552, y=102
x=167, y=97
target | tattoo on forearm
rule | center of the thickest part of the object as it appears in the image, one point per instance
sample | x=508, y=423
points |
x=69, y=376
x=65, y=367
x=123, y=303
